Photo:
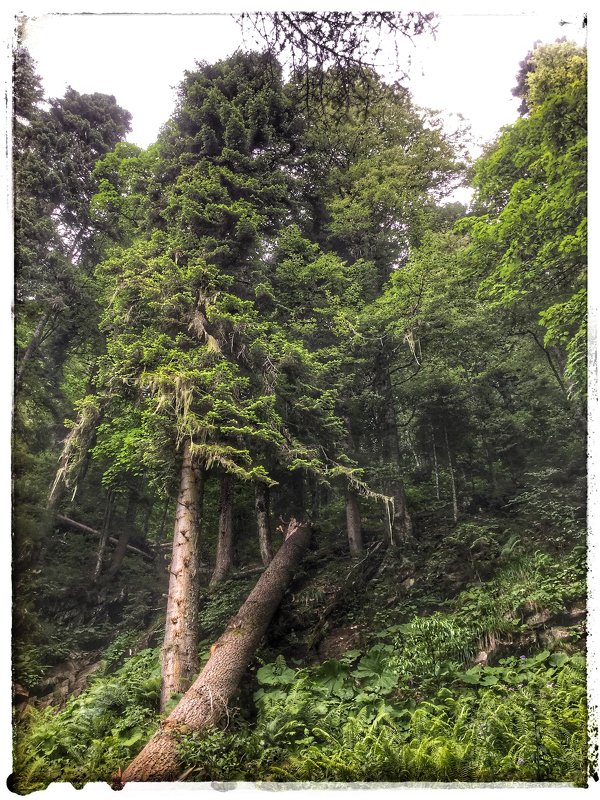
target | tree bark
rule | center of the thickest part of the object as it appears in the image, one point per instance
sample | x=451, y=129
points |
x=353, y=524
x=225, y=534
x=32, y=347
x=179, y=655
x=452, y=479
x=263, y=524
x=206, y=701
x=401, y=522
x=126, y=531
x=436, y=470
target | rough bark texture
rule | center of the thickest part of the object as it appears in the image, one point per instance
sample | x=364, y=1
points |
x=206, y=701
x=179, y=655
x=263, y=524
x=353, y=524
x=225, y=535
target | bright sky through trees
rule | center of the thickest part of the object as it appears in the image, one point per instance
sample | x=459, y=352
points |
x=468, y=69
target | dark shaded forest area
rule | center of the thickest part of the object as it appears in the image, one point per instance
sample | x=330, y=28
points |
x=299, y=445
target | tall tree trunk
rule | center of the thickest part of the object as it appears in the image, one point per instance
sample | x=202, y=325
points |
x=436, y=469
x=179, y=655
x=353, y=524
x=452, y=479
x=263, y=523
x=32, y=347
x=401, y=522
x=124, y=536
x=225, y=534
x=104, y=530
x=206, y=700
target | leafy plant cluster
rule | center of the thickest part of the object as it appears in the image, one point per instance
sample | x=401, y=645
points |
x=344, y=721
x=95, y=733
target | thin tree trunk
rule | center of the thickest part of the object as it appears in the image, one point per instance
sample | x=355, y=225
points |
x=413, y=450
x=34, y=343
x=206, y=700
x=452, y=480
x=224, y=560
x=179, y=655
x=104, y=535
x=436, y=469
x=401, y=522
x=78, y=526
x=263, y=523
x=353, y=524
x=124, y=536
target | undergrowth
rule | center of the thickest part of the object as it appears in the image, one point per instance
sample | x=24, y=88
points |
x=523, y=720
x=408, y=707
x=95, y=734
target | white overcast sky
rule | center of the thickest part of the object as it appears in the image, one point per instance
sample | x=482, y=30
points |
x=469, y=68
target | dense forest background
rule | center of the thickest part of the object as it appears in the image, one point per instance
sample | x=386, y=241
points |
x=272, y=323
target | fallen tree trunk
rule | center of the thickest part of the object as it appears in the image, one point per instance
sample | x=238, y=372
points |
x=78, y=526
x=206, y=700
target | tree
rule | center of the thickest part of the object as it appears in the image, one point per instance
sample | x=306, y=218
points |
x=206, y=700
x=179, y=653
x=224, y=556
x=532, y=215
x=54, y=232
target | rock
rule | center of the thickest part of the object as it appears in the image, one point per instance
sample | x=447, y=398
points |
x=540, y=618
x=555, y=634
x=81, y=680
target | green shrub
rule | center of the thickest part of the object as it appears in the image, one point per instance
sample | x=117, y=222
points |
x=95, y=734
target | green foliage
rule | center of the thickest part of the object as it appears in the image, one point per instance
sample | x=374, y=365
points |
x=524, y=720
x=532, y=197
x=95, y=734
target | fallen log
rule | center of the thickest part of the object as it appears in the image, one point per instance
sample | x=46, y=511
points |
x=78, y=526
x=206, y=700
